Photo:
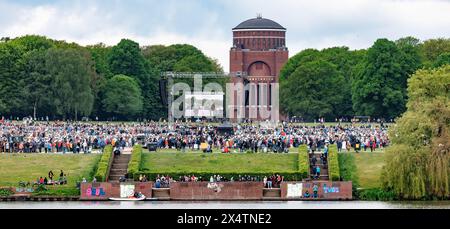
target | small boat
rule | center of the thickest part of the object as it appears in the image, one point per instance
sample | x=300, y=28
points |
x=128, y=199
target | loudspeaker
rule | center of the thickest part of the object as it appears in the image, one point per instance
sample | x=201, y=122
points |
x=163, y=91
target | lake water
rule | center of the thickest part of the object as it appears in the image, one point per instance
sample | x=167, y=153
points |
x=228, y=205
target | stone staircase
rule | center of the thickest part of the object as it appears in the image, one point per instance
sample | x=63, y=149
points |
x=119, y=165
x=323, y=167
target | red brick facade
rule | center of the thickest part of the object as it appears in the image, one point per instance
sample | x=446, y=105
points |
x=327, y=190
x=259, y=53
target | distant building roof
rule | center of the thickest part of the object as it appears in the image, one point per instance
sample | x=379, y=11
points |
x=259, y=23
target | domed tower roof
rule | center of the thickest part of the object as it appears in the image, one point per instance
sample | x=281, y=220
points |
x=259, y=23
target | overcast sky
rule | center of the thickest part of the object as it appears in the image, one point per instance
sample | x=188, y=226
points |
x=207, y=24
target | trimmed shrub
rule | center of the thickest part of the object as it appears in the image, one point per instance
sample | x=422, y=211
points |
x=303, y=161
x=288, y=176
x=134, y=165
x=103, y=164
x=333, y=163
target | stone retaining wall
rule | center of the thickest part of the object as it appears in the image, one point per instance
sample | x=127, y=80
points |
x=327, y=190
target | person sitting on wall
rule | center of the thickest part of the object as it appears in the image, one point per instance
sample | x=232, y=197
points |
x=307, y=195
x=158, y=183
x=315, y=191
x=138, y=195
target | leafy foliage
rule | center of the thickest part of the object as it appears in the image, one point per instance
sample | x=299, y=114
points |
x=134, y=165
x=122, y=97
x=6, y=192
x=433, y=48
x=379, y=89
x=333, y=164
x=103, y=164
x=43, y=77
x=376, y=194
x=418, y=162
x=303, y=161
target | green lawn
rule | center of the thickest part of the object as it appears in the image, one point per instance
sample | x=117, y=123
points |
x=29, y=167
x=162, y=162
x=369, y=168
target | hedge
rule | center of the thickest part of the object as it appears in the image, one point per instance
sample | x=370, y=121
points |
x=134, y=165
x=303, y=161
x=288, y=176
x=333, y=163
x=103, y=164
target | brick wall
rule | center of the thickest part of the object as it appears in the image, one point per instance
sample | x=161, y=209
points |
x=222, y=191
x=104, y=190
x=227, y=191
x=327, y=190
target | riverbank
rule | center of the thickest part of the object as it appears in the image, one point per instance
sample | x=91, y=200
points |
x=228, y=205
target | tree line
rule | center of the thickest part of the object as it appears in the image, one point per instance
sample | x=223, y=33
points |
x=41, y=77
x=339, y=82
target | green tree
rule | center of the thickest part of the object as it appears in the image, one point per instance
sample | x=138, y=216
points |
x=126, y=58
x=378, y=89
x=10, y=88
x=295, y=61
x=37, y=81
x=431, y=49
x=347, y=63
x=418, y=162
x=442, y=60
x=122, y=97
x=71, y=74
x=100, y=54
x=309, y=91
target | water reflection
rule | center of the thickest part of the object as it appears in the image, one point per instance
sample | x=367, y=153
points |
x=228, y=205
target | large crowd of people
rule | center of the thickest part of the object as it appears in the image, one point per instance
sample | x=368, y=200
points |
x=83, y=137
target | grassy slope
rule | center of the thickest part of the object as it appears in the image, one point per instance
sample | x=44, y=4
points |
x=369, y=168
x=29, y=167
x=220, y=163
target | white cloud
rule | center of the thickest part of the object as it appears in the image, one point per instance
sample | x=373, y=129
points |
x=207, y=25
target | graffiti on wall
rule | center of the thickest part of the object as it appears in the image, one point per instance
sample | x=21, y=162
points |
x=126, y=190
x=328, y=189
x=91, y=191
x=215, y=186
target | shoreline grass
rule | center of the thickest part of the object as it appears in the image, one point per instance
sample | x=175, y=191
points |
x=29, y=167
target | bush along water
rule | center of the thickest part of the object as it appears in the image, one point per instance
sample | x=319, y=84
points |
x=303, y=161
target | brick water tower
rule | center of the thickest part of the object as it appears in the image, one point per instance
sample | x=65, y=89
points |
x=259, y=51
